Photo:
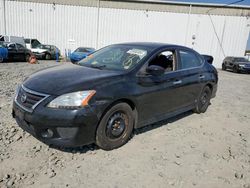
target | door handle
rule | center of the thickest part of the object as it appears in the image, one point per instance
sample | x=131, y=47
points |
x=201, y=76
x=177, y=82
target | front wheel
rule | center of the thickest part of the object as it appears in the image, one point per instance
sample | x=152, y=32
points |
x=115, y=127
x=235, y=69
x=203, y=101
x=224, y=67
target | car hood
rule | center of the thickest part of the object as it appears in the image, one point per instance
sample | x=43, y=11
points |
x=38, y=50
x=66, y=78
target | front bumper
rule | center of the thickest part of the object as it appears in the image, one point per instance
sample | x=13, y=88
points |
x=61, y=127
x=244, y=69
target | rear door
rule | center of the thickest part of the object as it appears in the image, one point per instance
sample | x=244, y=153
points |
x=21, y=51
x=190, y=67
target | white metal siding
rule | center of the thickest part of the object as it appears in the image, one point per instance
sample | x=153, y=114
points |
x=1, y=17
x=64, y=26
x=71, y=26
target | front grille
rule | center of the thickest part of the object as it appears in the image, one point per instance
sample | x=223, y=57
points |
x=28, y=99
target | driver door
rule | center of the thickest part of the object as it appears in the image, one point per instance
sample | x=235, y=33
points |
x=159, y=94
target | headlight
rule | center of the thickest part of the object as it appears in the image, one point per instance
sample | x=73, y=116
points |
x=241, y=65
x=72, y=100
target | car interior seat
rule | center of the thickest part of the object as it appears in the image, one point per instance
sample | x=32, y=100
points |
x=163, y=62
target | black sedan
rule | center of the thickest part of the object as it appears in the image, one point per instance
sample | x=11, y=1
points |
x=113, y=91
x=16, y=52
x=236, y=64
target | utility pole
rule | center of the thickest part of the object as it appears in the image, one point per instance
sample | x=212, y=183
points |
x=97, y=24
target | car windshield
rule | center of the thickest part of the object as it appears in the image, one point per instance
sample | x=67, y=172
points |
x=116, y=57
x=240, y=59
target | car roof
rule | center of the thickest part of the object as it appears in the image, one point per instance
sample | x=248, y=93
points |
x=154, y=45
x=234, y=57
x=86, y=47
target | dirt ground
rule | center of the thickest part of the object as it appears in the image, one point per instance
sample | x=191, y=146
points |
x=191, y=150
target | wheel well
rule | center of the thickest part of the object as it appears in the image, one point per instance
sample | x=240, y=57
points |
x=123, y=100
x=129, y=102
x=210, y=86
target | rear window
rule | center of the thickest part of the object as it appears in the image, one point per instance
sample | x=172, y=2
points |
x=84, y=50
x=27, y=40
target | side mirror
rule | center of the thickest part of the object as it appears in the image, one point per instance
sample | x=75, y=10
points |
x=155, y=70
x=208, y=58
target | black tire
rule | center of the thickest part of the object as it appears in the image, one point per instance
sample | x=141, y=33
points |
x=235, y=69
x=47, y=57
x=203, y=100
x=1, y=60
x=224, y=66
x=115, y=127
x=27, y=57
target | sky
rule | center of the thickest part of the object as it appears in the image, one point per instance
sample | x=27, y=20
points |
x=244, y=2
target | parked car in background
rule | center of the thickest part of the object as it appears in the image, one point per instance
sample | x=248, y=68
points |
x=45, y=51
x=3, y=52
x=16, y=52
x=31, y=43
x=117, y=89
x=236, y=64
x=80, y=53
x=13, y=39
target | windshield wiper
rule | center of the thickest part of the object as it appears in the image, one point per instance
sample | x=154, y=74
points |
x=98, y=66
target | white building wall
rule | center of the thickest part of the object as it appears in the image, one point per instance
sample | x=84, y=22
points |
x=65, y=26
x=1, y=17
x=71, y=26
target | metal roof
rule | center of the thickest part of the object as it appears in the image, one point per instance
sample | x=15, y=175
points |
x=156, y=5
x=219, y=5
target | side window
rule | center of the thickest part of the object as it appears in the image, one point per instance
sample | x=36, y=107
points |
x=189, y=60
x=34, y=43
x=165, y=59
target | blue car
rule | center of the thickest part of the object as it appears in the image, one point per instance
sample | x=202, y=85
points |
x=3, y=53
x=80, y=53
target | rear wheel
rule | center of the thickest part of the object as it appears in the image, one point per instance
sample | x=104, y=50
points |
x=223, y=66
x=47, y=56
x=204, y=100
x=27, y=57
x=115, y=127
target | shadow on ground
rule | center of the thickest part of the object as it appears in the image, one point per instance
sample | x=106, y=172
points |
x=92, y=147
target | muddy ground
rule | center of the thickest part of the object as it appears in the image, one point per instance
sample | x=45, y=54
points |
x=191, y=150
